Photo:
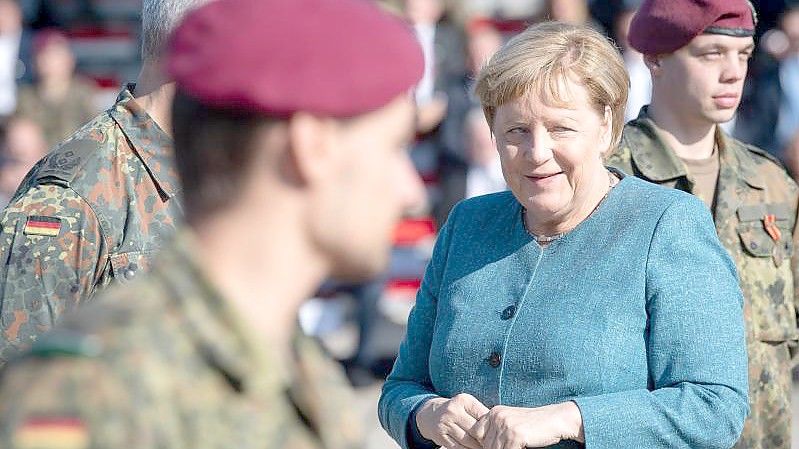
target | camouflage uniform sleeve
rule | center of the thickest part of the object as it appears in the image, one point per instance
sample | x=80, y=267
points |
x=52, y=255
x=65, y=402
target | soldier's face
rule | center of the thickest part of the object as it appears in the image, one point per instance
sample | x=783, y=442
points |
x=371, y=186
x=704, y=79
x=552, y=154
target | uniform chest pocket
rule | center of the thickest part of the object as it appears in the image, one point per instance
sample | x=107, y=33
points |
x=756, y=238
x=127, y=266
x=764, y=269
x=758, y=243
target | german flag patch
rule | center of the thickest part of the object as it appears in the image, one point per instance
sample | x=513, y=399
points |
x=42, y=225
x=52, y=433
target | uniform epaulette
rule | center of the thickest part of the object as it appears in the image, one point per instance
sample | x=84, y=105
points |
x=66, y=344
x=66, y=161
x=763, y=153
x=635, y=130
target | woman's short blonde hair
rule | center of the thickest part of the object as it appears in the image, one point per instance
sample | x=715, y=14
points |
x=540, y=58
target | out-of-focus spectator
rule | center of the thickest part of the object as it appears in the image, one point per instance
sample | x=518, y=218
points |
x=59, y=101
x=573, y=12
x=640, y=79
x=442, y=47
x=791, y=156
x=770, y=106
x=502, y=9
x=485, y=169
x=22, y=146
x=14, y=51
x=482, y=40
x=788, y=122
x=768, y=15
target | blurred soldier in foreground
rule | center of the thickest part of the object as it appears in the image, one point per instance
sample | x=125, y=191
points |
x=697, y=53
x=99, y=206
x=290, y=123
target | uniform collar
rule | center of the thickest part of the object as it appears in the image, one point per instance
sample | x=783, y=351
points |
x=739, y=158
x=655, y=160
x=148, y=140
x=658, y=162
x=222, y=337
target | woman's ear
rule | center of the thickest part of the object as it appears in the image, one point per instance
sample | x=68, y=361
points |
x=607, y=130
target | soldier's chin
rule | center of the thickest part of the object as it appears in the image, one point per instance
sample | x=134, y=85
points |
x=721, y=116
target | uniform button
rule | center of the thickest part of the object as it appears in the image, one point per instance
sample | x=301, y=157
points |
x=509, y=312
x=494, y=359
x=753, y=245
x=130, y=273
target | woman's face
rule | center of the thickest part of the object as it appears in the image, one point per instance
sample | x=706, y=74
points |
x=552, y=155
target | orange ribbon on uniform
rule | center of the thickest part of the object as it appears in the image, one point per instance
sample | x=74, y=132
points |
x=770, y=224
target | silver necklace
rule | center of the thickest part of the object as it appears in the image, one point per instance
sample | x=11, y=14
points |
x=544, y=240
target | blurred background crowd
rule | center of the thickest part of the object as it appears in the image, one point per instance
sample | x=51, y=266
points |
x=63, y=61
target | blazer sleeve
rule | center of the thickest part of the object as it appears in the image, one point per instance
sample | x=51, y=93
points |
x=794, y=347
x=408, y=385
x=696, y=346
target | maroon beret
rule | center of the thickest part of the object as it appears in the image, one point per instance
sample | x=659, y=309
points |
x=334, y=58
x=663, y=26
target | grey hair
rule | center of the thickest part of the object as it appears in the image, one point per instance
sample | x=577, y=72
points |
x=159, y=18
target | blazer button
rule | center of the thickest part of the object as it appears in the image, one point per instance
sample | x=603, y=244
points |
x=494, y=359
x=509, y=312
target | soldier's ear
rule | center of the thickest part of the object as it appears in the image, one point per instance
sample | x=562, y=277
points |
x=653, y=63
x=310, y=144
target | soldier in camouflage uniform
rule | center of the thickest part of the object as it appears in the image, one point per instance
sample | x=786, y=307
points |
x=98, y=207
x=167, y=362
x=753, y=200
x=277, y=179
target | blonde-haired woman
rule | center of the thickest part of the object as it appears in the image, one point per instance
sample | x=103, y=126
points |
x=583, y=307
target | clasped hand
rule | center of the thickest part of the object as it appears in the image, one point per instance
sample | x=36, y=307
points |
x=463, y=422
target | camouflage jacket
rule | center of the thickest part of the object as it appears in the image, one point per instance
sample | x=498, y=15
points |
x=165, y=362
x=751, y=187
x=93, y=210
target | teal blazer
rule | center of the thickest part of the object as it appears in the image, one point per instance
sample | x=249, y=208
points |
x=636, y=315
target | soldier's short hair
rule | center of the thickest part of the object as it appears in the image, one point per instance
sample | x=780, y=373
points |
x=158, y=19
x=213, y=149
x=537, y=60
